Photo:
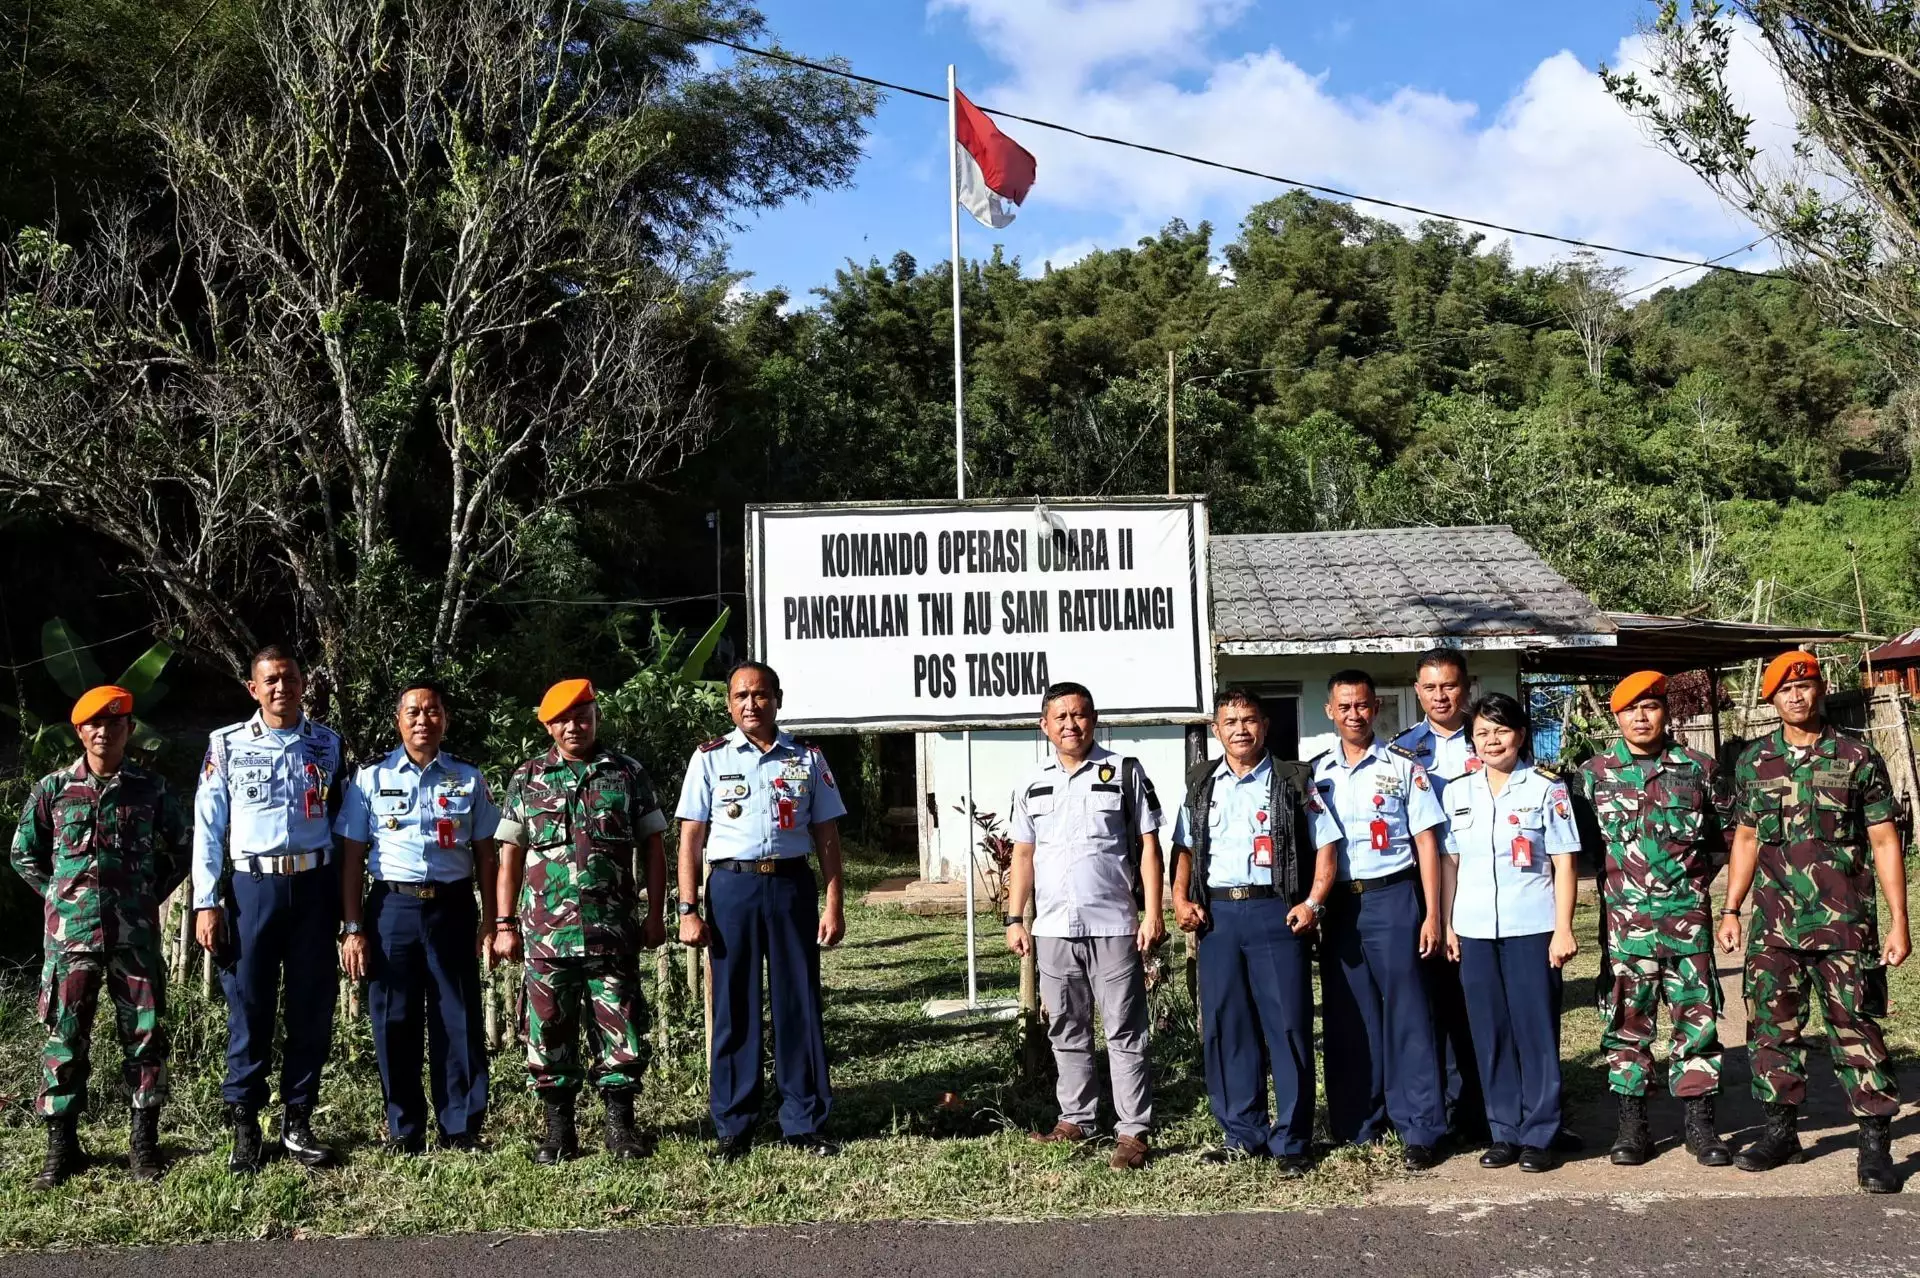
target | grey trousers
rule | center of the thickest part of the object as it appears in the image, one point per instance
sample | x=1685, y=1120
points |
x=1076, y=976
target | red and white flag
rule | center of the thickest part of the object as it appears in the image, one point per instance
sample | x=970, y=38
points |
x=995, y=172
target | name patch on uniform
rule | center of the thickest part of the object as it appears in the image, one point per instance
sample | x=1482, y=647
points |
x=392, y=794
x=733, y=776
x=1105, y=789
x=1035, y=791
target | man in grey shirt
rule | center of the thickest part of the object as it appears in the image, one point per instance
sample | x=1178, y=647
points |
x=1086, y=849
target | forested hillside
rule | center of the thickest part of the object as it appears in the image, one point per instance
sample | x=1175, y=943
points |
x=1664, y=450
x=1667, y=448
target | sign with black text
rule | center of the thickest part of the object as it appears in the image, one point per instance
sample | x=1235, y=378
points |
x=959, y=614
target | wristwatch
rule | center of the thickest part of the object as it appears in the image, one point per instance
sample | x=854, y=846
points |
x=509, y=922
x=351, y=929
x=689, y=907
x=1319, y=908
x=1013, y=920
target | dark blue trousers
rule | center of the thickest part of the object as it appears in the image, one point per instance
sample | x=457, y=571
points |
x=1382, y=1064
x=1256, y=992
x=423, y=991
x=1453, y=1037
x=281, y=928
x=769, y=921
x=1513, y=997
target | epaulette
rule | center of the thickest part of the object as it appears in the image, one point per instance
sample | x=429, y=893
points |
x=1551, y=774
x=1314, y=762
x=707, y=747
x=1402, y=751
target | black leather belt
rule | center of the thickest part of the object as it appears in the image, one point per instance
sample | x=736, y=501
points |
x=762, y=865
x=1254, y=892
x=423, y=891
x=1358, y=886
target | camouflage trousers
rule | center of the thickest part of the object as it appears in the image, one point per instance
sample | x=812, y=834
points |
x=1780, y=985
x=607, y=988
x=70, y=994
x=1686, y=983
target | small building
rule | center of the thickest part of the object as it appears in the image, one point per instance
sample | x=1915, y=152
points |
x=1896, y=662
x=1290, y=609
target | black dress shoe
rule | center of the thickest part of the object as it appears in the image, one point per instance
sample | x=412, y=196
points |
x=1294, y=1166
x=1535, y=1159
x=465, y=1142
x=1422, y=1157
x=812, y=1143
x=407, y=1145
x=731, y=1149
x=1500, y=1154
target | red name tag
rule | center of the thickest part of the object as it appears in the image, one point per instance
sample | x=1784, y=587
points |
x=783, y=812
x=1522, y=851
x=1263, y=850
x=443, y=831
x=1379, y=835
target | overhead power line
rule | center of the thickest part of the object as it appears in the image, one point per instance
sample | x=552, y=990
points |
x=1320, y=188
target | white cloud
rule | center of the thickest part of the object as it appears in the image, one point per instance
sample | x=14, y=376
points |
x=1558, y=155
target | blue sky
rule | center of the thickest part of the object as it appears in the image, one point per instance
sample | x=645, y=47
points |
x=1483, y=107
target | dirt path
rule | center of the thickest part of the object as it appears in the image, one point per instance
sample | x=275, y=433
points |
x=1826, y=1129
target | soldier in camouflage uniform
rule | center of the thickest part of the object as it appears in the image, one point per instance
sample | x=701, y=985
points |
x=574, y=817
x=1815, y=825
x=103, y=843
x=1653, y=800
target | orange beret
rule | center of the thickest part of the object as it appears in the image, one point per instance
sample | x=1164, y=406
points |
x=94, y=702
x=1641, y=683
x=1788, y=666
x=562, y=697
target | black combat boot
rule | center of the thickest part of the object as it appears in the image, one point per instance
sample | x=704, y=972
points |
x=1778, y=1144
x=1632, y=1143
x=296, y=1136
x=143, y=1145
x=1875, y=1171
x=560, y=1143
x=623, y=1141
x=247, y=1152
x=63, y=1152
x=1703, y=1134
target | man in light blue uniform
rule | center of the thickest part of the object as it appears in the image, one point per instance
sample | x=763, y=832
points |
x=754, y=804
x=419, y=821
x=1441, y=744
x=1384, y=917
x=1251, y=877
x=266, y=903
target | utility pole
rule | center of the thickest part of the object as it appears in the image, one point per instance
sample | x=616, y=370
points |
x=1866, y=649
x=1171, y=488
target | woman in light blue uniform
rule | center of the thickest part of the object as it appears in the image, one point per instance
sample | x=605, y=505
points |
x=1510, y=876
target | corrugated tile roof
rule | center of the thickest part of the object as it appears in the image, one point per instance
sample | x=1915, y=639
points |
x=1391, y=583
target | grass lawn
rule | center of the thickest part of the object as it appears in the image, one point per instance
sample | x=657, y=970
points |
x=907, y=1155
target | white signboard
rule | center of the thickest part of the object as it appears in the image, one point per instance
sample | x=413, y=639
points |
x=959, y=614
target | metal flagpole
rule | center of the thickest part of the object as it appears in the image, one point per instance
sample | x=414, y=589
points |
x=960, y=486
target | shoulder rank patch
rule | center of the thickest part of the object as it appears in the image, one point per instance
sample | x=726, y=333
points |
x=1551, y=774
x=709, y=746
x=1402, y=751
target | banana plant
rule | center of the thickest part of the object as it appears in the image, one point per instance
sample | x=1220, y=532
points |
x=71, y=663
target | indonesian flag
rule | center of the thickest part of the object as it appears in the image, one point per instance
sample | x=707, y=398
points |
x=995, y=171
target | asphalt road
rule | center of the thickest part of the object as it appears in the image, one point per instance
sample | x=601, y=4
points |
x=1833, y=1237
